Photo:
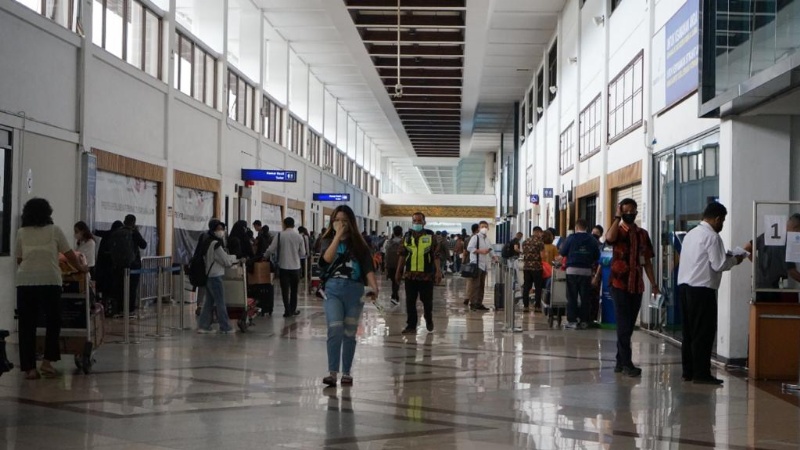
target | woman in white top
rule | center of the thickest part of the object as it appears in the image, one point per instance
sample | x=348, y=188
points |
x=38, y=284
x=85, y=244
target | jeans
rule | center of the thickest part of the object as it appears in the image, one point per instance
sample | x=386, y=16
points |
x=423, y=289
x=579, y=285
x=626, y=310
x=457, y=264
x=343, y=308
x=214, y=298
x=30, y=300
x=699, y=311
x=532, y=278
x=289, y=281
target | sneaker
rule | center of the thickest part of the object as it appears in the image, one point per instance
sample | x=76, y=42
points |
x=571, y=326
x=330, y=380
x=632, y=372
x=395, y=302
x=583, y=325
x=231, y=331
x=408, y=330
x=204, y=331
x=347, y=380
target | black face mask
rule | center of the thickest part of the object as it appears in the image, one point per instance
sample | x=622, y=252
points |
x=596, y=237
x=628, y=218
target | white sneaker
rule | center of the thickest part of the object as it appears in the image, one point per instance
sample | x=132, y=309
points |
x=395, y=302
x=571, y=326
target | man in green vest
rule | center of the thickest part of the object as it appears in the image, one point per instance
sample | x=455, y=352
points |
x=419, y=266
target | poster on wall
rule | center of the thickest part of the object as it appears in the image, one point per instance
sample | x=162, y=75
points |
x=682, y=52
x=123, y=195
x=271, y=216
x=295, y=214
x=193, y=209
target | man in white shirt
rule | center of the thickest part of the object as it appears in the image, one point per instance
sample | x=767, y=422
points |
x=290, y=247
x=480, y=252
x=703, y=260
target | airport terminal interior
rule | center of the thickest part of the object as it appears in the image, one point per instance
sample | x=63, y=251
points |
x=198, y=117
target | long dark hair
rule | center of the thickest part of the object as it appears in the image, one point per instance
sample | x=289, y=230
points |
x=37, y=212
x=355, y=241
x=239, y=230
x=83, y=230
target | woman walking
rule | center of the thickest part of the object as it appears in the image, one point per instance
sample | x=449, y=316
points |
x=346, y=264
x=38, y=284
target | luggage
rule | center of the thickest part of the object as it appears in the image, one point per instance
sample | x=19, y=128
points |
x=264, y=294
x=499, y=300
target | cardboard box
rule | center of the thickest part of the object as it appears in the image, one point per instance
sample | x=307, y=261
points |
x=261, y=273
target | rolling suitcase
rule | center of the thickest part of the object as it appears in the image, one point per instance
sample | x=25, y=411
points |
x=499, y=301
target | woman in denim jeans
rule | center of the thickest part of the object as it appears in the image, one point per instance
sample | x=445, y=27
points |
x=346, y=263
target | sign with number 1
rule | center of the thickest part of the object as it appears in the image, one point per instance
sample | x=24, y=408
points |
x=775, y=231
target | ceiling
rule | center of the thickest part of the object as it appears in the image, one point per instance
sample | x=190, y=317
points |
x=463, y=65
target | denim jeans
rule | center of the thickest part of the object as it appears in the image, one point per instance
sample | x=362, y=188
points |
x=579, y=285
x=343, y=308
x=214, y=298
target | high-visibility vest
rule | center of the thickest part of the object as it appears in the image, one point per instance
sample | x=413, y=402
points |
x=419, y=252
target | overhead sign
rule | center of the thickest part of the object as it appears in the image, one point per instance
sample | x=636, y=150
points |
x=281, y=176
x=547, y=192
x=535, y=199
x=322, y=197
x=682, y=51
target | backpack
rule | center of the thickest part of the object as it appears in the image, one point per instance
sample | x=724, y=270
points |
x=121, y=248
x=508, y=250
x=393, y=252
x=198, y=275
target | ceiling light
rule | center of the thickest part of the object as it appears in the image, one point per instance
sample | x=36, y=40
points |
x=553, y=89
x=599, y=20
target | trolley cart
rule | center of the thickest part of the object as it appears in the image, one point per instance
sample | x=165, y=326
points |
x=82, y=322
x=316, y=281
x=259, y=285
x=556, y=296
x=241, y=308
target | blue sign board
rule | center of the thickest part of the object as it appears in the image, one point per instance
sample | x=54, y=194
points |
x=283, y=176
x=547, y=192
x=320, y=197
x=682, y=38
x=535, y=199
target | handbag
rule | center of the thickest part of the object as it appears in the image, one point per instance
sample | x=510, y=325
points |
x=275, y=258
x=547, y=270
x=471, y=270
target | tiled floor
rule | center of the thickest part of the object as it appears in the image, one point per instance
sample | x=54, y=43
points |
x=467, y=385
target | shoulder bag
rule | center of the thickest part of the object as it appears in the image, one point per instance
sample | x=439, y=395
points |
x=471, y=270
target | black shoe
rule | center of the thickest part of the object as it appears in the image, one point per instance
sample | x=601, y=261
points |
x=617, y=369
x=429, y=324
x=710, y=380
x=287, y=315
x=631, y=371
x=686, y=378
x=480, y=308
x=409, y=330
x=466, y=302
x=330, y=380
x=296, y=313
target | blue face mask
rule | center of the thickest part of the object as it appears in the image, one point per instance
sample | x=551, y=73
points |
x=417, y=227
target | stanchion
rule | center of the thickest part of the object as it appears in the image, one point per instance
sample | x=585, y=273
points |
x=126, y=305
x=508, y=298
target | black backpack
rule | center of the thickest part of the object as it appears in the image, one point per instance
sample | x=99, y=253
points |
x=508, y=250
x=121, y=248
x=393, y=251
x=198, y=275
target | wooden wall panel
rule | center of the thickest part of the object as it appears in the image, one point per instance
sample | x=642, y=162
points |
x=272, y=199
x=626, y=176
x=588, y=188
x=477, y=212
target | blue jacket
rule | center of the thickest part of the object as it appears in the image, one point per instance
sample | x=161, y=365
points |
x=581, y=250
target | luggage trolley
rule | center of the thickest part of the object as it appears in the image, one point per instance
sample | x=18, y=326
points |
x=82, y=326
x=235, y=285
x=315, y=275
x=556, y=296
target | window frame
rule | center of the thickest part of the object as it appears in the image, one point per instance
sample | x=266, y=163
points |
x=618, y=106
x=72, y=19
x=272, y=121
x=294, y=137
x=127, y=7
x=594, y=107
x=248, y=109
x=7, y=197
x=552, y=72
x=566, y=152
x=539, y=93
x=180, y=36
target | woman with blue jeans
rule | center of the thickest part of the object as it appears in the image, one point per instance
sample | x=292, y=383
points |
x=346, y=264
x=217, y=260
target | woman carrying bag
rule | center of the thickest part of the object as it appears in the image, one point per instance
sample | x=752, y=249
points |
x=346, y=265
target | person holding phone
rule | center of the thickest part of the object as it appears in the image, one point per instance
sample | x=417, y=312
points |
x=346, y=265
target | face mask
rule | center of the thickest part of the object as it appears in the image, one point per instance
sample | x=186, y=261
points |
x=484, y=230
x=219, y=234
x=628, y=218
x=417, y=227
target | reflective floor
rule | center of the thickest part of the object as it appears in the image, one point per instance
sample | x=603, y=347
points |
x=466, y=385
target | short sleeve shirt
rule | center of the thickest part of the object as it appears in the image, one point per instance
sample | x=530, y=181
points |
x=532, y=253
x=350, y=267
x=38, y=247
x=629, y=257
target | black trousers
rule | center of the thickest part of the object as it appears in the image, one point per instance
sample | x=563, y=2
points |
x=423, y=290
x=390, y=274
x=579, y=286
x=290, y=279
x=699, y=314
x=30, y=301
x=532, y=278
x=626, y=310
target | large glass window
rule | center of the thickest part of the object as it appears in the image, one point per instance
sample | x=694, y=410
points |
x=328, y=156
x=625, y=96
x=294, y=137
x=6, y=166
x=552, y=72
x=241, y=100
x=530, y=108
x=195, y=71
x=314, y=148
x=590, y=130
x=539, y=94
x=131, y=31
x=567, y=150
x=273, y=120
x=62, y=12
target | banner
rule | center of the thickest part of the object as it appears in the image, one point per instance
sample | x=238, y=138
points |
x=271, y=216
x=122, y=195
x=682, y=52
x=192, y=211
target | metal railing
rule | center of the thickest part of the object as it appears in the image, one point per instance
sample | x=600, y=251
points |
x=508, y=270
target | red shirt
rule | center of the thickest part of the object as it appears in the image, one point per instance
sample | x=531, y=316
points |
x=632, y=250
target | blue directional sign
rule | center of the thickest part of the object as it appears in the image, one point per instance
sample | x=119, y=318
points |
x=535, y=199
x=547, y=192
x=281, y=176
x=322, y=197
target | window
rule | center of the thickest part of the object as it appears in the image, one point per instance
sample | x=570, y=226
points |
x=62, y=12
x=6, y=165
x=294, y=137
x=129, y=30
x=522, y=122
x=625, y=99
x=552, y=72
x=341, y=161
x=314, y=148
x=241, y=100
x=195, y=71
x=615, y=4
x=273, y=120
x=589, y=129
x=539, y=94
x=530, y=108
x=327, y=157
x=567, y=146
